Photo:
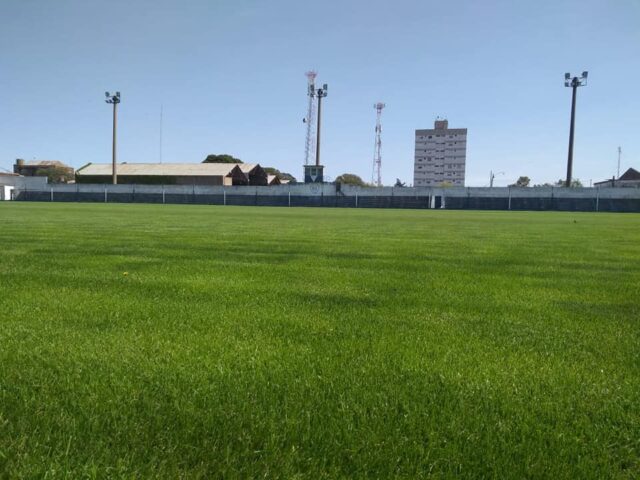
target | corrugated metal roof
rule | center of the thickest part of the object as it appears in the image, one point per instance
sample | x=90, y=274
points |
x=44, y=163
x=160, y=169
x=631, y=174
x=246, y=167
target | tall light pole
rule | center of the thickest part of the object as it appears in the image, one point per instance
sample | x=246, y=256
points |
x=115, y=100
x=619, y=154
x=574, y=83
x=320, y=93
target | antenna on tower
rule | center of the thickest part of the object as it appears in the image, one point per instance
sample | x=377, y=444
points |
x=310, y=119
x=376, y=179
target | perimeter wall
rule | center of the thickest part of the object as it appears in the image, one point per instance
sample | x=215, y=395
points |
x=330, y=195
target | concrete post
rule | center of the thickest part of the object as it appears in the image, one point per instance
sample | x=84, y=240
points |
x=52, y=194
x=105, y=194
x=597, y=199
x=509, y=207
x=224, y=196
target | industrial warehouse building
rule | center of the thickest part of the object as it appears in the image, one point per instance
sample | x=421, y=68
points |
x=175, y=173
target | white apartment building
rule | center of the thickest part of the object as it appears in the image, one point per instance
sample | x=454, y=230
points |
x=440, y=156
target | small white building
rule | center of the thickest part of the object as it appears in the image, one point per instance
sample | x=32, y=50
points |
x=6, y=192
x=12, y=183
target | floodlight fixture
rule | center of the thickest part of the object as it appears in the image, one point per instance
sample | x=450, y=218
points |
x=115, y=98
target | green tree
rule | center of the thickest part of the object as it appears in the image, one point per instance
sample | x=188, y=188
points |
x=223, y=158
x=399, y=183
x=546, y=184
x=350, y=179
x=575, y=183
x=55, y=174
x=521, y=182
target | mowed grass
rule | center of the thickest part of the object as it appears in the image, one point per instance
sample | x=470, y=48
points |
x=141, y=341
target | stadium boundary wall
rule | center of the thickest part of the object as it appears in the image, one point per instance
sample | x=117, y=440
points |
x=330, y=195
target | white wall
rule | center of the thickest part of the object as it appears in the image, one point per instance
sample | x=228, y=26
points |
x=5, y=192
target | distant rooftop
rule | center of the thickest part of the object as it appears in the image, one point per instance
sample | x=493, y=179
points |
x=630, y=174
x=160, y=169
x=41, y=163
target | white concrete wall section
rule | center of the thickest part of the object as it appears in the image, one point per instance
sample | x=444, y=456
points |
x=330, y=190
x=6, y=192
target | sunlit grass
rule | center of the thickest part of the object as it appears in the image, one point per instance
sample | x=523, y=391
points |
x=167, y=341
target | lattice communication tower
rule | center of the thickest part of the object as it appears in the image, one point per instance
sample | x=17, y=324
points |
x=376, y=178
x=310, y=119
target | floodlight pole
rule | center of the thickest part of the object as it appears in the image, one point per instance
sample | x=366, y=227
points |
x=571, y=130
x=113, y=147
x=115, y=100
x=574, y=83
x=322, y=92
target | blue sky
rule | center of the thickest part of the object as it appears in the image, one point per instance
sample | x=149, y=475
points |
x=230, y=77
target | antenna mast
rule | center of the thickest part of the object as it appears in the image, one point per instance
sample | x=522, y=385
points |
x=310, y=119
x=619, y=154
x=376, y=179
x=161, y=133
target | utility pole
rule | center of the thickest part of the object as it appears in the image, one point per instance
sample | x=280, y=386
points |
x=320, y=93
x=619, y=154
x=161, y=112
x=492, y=176
x=574, y=83
x=115, y=100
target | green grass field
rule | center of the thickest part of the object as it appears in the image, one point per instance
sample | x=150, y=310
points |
x=141, y=341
